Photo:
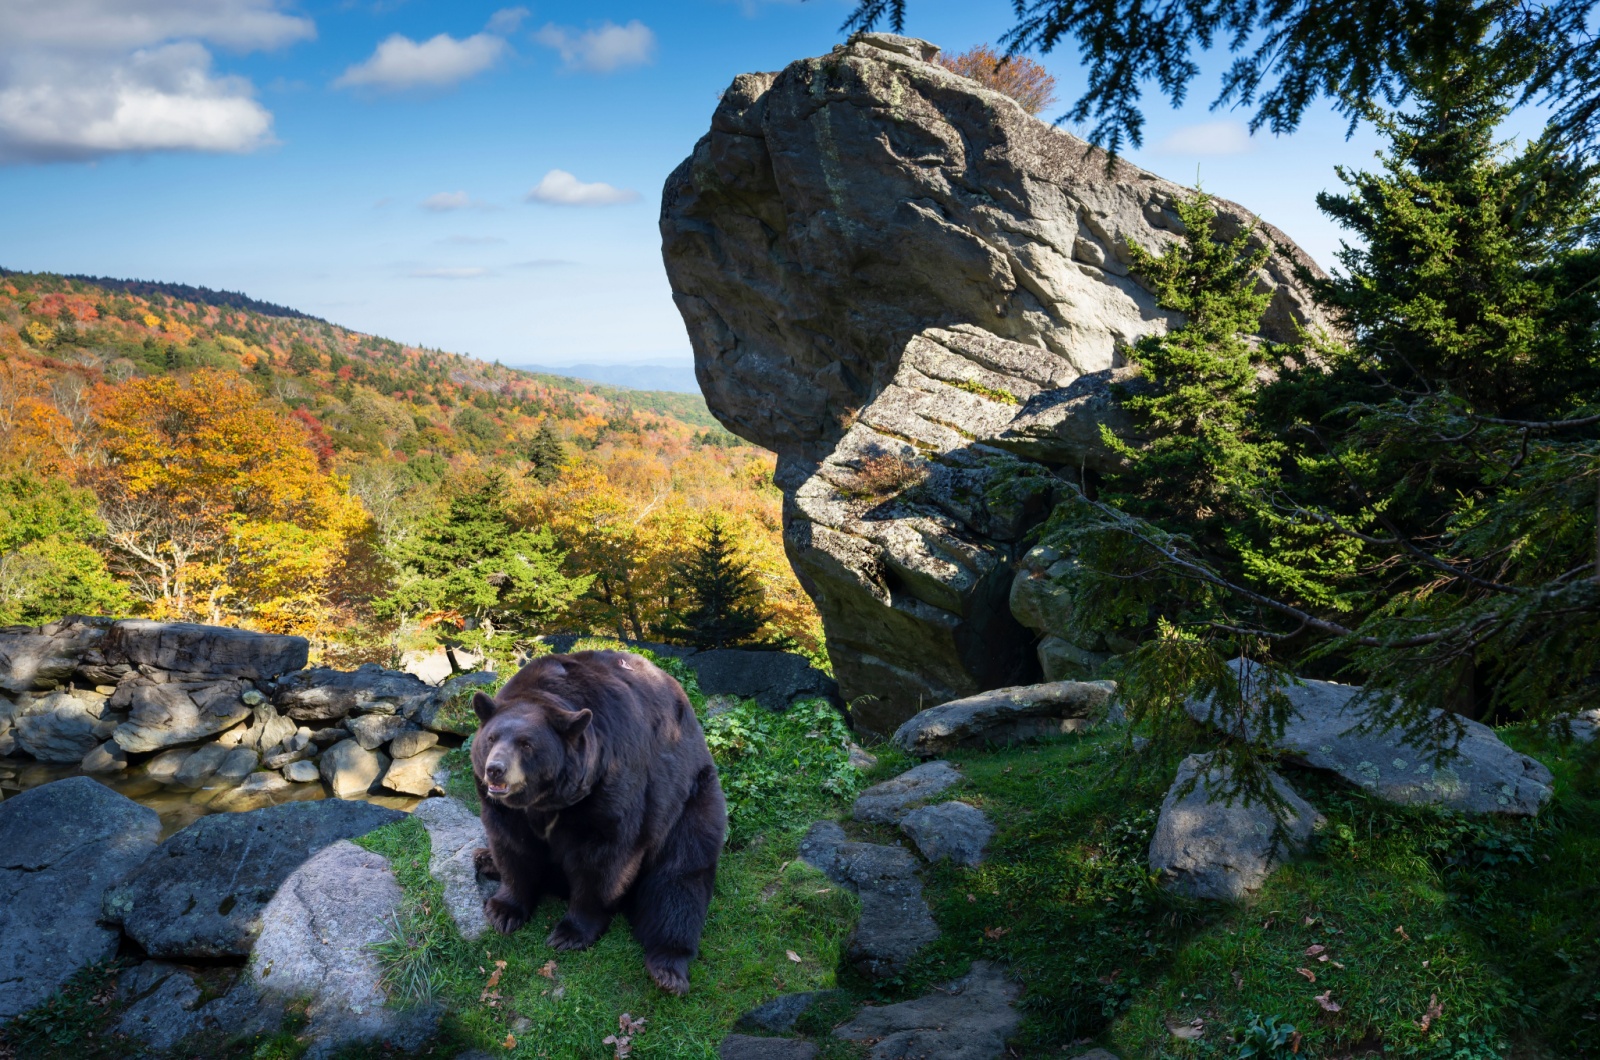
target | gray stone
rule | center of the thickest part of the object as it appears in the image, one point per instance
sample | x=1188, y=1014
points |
x=239, y=764
x=785, y=237
x=40, y=658
x=350, y=769
x=779, y=1015
x=774, y=679
x=895, y=922
x=189, y=648
x=107, y=758
x=471, y=682
x=201, y=895
x=418, y=775
x=372, y=731
x=167, y=763
x=302, y=772
x=198, y=767
x=969, y=1019
x=886, y=803
x=253, y=698
x=1006, y=716
x=1096, y=1054
x=951, y=830
x=316, y=940
x=328, y=737
x=411, y=742
x=819, y=848
x=293, y=749
x=267, y=728
x=165, y=1017
x=142, y=978
x=1061, y=660
x=1482, y=775
x=747, y=1047
x=61, y=846
x=1063, y=426
x=1206, y=848
x=322, y=694
x=163, y=713
x=861, y=758
x=256, y=791
x=1582, y=726
x=59, y=726
x=456, y=835
x=432, y=667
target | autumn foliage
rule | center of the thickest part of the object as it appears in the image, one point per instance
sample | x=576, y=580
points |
x=1016, y=76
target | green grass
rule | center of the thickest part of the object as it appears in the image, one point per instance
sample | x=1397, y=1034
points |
x=1005, y=397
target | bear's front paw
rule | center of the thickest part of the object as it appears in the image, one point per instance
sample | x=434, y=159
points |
x=483, y=862
x=670, y=973
x=573, y=934
x=504, y=915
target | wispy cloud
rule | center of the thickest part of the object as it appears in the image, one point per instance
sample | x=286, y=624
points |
x=560, y=188
x=471, y=272
x=470, y=241
x=542, y=263
x=605, y=49
x=1208, y=138
x=446, y=201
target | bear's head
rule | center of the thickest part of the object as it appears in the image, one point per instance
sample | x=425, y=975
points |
x=532, y=754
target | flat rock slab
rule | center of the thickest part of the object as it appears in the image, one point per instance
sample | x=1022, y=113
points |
x=1006, y=716
x=968, y=1019
x=1207, y=849
x=747, y=1047
x=895, y=922
x=186, y=647
x=886, y=803
x=61, y=846
x=165, y=1016
x=779, y=1014
x=316, y=941
x=1483, y=776
x=953, y=830
x=322, y=694
x=203, y=892
x=456, y=835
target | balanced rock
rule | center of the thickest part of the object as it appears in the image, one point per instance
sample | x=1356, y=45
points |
x=163, y=713
x=917, y=412
x=886, y=803
x=351, y=769
x=1477, y=773
x=321, y=694
x=969, y=1019
x=951, y=830
x=1006, y=716
x=417, y=775
x=61, y=846
x=1206, y=848
x=201, y=894
x=456, y=835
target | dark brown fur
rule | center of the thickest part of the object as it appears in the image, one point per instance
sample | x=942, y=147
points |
x=610, y=800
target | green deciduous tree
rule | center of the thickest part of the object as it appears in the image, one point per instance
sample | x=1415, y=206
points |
x=48, y=565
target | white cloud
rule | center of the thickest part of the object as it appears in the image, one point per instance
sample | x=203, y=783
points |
x=560, y=188
x=610, y=47
x=1208, y=138
x=506, y=20
x=469, y=273
x=81, y=79
x=447, y=200
x=401, y=63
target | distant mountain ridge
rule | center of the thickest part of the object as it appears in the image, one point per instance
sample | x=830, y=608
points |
x=185, y=293
x=675, y=378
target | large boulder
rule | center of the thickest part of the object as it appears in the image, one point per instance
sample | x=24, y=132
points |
x=774, y=679
x=202, y=893
x=321, y=694
x=164, y=713
x=61, y=726
x=40, y=658
x=1006, y=716
x=186, y=647
x=894, y=278
x=1463, y=766
x=1206, y=847
x=351, y=769
x=61, y=846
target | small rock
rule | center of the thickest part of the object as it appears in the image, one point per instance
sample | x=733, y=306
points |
x=416, y=775
x=951, y=830
x=886, y=803
x=163, y=1019
x=240, y=763
x=301, y=772
x=233, y=737
x=860, y=758
x=372, y=731
x=253, y=698
x=1006, y=716
x=267, y=728
x=820, y=847
x=107, y=758
x=716, y=705
x=456, y=835
x=412, y=742
x=779, y=1014
x=199, y=766
x=467, y=683
x=1208, y=849
x=167, y=763
x=351, y=769
x=291, y=750
x=142, y=978
x=969, y=1019
x=746, y=1047
x=256, y=787
x=329, y=737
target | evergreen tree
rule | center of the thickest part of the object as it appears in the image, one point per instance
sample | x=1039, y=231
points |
x=725, y=601
x=545, y=456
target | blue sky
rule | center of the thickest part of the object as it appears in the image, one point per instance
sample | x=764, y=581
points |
x=491, y=191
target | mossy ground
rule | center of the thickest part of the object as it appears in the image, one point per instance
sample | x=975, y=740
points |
x=1488, y=924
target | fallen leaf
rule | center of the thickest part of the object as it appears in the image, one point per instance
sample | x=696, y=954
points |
x=1435, y=1010
x=511, y=1042
x=494, y=978
x=1294, y=1043
x=995, y=932
x=630, y=1025
x=972, y=898
x=1192, y=1031
x=793, y=956
x=1238, y=981
x=548, y=969
x=1312, y=951
x=1401, y=931
x=1327, y=1002
x=1337, y=965
x=1308, y=973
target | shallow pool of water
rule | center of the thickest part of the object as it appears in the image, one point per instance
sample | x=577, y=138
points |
x=177, y=806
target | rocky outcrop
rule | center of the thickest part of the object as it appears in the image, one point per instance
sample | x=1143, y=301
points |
x=918, y=296
x=321, y=694
x=1006, y=716
x=61, y=846
x=1206, y=848
x=164, y=712
x=1452, y=761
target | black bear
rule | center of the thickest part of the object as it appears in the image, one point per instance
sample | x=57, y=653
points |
x=597, y=787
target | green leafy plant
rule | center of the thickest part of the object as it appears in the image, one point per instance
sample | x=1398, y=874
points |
x=1267, y=1039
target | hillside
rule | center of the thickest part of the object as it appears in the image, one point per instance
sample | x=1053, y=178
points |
x=400, y=428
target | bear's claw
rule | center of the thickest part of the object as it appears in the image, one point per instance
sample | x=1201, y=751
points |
x=670, y=973
x=573, y=935
x=483, y=862
x=503, y=915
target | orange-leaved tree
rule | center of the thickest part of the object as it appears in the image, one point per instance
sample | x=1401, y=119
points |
x=216, y=506
x=1016, y=76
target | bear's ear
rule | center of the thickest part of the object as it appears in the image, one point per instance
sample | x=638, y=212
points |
x=570, y=723
x=484, y=706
